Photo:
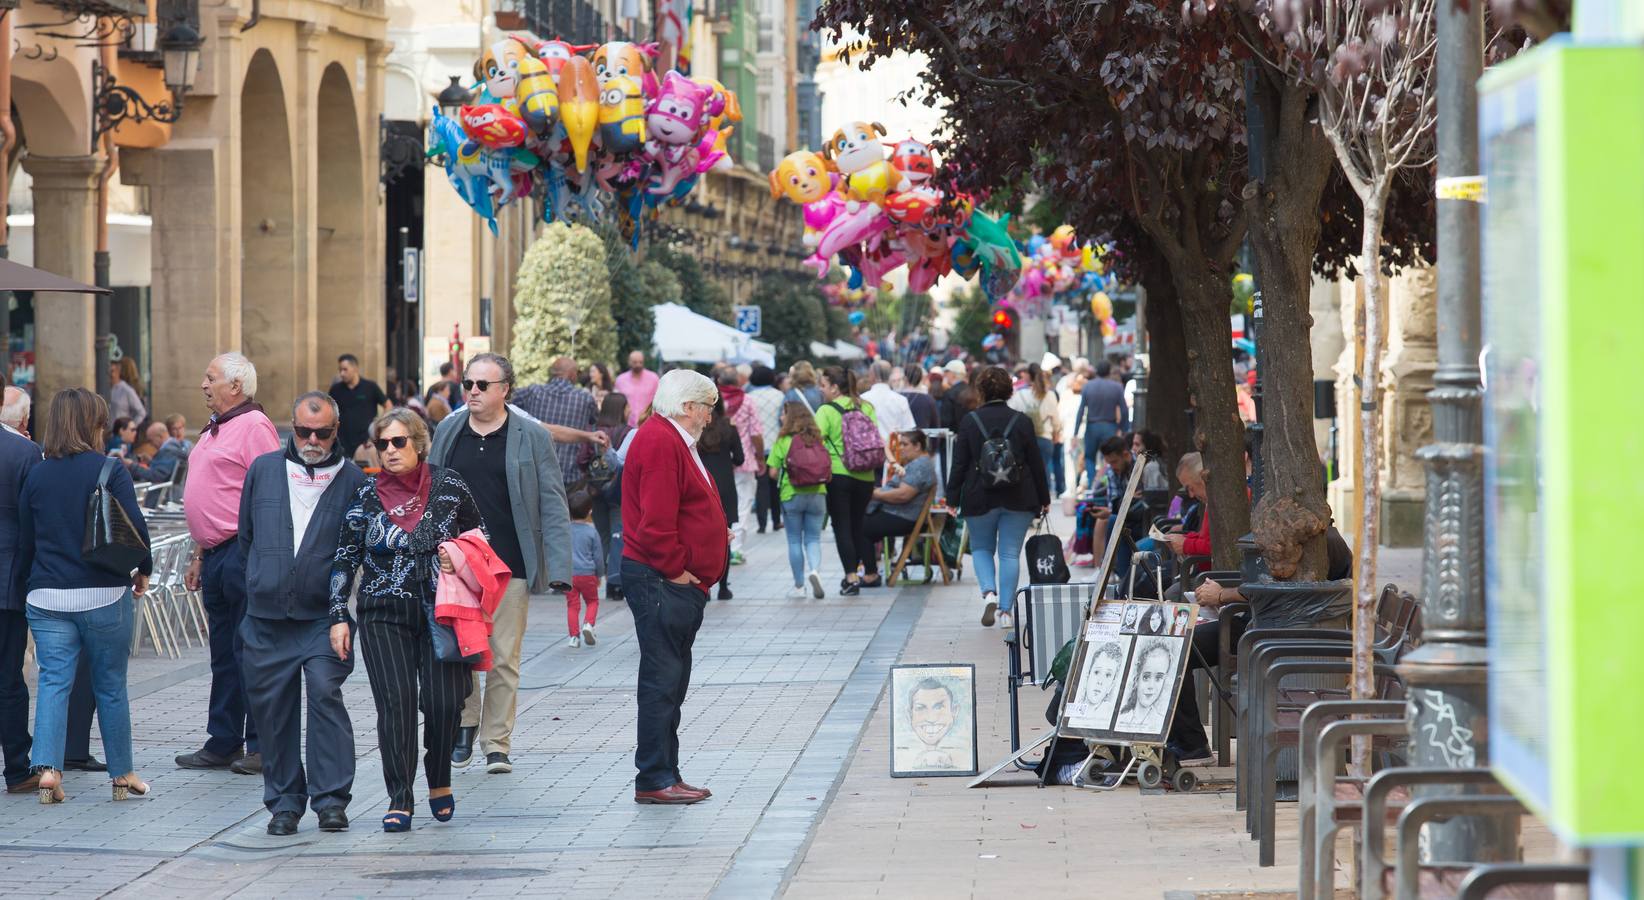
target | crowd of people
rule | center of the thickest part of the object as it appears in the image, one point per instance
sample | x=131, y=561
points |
x=414, y=526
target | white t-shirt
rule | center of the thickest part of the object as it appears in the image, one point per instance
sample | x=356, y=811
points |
x=304, y=492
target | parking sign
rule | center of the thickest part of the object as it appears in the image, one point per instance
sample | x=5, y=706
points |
x=748, y=320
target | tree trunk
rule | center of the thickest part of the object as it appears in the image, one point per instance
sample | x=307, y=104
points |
x=1167, y=365
x=1364, y=573
x=1284, y=232
x=1205, y=295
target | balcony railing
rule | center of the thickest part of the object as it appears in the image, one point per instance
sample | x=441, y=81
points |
x=576, y=21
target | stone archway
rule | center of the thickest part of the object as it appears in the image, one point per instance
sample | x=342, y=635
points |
x=348, y=306
x=268, y=272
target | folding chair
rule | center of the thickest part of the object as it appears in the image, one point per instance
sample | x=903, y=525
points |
x=1050, y=617
x=927, y=530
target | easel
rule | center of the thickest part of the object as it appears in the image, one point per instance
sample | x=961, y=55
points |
x=1106, y=573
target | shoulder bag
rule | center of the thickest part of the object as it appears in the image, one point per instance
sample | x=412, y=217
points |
x=112, y=543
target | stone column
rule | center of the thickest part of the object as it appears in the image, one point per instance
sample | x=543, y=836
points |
x=65, y=237
x=1407, y=423
x=191, y=314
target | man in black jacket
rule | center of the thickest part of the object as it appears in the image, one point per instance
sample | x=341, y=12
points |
x=18, y=454
x=291, y=512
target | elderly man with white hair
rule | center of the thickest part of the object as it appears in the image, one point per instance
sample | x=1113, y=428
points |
x=14, y=411
x=674, y=546
x=891, y=411
x=236, y=434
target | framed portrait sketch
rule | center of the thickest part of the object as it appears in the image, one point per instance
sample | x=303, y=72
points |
x=1125, y=675
x=933, y=720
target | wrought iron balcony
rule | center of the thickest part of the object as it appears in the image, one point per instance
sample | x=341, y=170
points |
x=576, y=21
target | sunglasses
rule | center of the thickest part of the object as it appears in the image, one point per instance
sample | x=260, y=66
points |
x=469, y=384
x=399, y=443
x=323, y=434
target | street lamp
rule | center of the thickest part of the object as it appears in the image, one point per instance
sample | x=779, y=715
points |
x=113, y=103
x=454, y=97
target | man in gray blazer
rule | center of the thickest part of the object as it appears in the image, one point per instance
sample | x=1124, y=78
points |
x=291, y=512
x=508, y=462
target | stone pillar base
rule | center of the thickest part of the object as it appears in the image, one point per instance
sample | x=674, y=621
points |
x=1402, y=518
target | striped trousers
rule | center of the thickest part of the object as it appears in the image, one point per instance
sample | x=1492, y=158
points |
x=399, y=660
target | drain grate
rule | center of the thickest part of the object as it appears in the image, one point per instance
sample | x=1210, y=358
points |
x=458, y=874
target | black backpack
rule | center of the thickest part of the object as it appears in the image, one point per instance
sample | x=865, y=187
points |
x=998, y=466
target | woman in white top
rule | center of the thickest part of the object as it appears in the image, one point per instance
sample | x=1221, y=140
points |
x=1038, y=402
x=1072, y=449
x=125, y=401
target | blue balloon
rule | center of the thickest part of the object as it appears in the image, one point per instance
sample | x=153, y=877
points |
x=857, y=317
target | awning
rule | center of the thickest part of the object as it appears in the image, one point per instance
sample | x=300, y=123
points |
x=823, y=350
x=684, y=336
x=847, y=350
x=18, y=277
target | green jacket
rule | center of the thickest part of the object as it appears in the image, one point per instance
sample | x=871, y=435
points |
x=778, y=460
x=831, y=424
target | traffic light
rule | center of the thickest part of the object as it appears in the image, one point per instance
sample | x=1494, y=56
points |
x=1002, y=319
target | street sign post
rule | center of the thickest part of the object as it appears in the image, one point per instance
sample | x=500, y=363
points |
x=749, y=320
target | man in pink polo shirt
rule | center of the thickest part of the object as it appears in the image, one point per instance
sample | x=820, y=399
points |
x=236, y=434
x=638, y=384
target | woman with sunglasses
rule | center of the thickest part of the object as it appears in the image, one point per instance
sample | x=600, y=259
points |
x=394, y=529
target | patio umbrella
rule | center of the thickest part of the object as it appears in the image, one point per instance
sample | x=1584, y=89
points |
x=18, y=277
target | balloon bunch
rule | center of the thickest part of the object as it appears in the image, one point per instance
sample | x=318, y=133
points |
x=1059, y=265
x=876, y=211
x=585, y=129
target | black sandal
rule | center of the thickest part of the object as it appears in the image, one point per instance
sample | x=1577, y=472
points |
x=443, y=808
x=396, y=822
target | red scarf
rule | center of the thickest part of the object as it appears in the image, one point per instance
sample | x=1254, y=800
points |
x=733, y=395
x=404, y=497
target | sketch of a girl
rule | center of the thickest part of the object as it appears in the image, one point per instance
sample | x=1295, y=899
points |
x=1153, y=622
x=1148, y=698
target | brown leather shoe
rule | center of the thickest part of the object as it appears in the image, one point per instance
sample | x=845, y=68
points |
x=27, y=786
x=669, y=796
x=693, y=789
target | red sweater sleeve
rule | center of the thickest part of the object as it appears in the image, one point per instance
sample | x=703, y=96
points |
x=1198, y=543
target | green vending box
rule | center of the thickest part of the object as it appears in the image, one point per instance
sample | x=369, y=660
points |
x=1562, y=131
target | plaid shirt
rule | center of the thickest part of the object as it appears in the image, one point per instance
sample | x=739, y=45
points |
x=559, y=402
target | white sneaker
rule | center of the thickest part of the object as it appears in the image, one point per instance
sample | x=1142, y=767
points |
x=1005, y=620
x=573, y=641
x=588, y=636
x=816, y=584
x=990, y=603
x=798, y=592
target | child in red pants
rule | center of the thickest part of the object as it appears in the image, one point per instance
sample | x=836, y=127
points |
x=587, y=567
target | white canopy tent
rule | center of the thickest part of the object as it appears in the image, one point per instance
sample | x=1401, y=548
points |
x=825, y=351
x=685, y=336
x=848, y=350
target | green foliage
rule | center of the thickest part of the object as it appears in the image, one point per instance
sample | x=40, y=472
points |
x=972, y=320
x=902, y=313
x=696, y=291
x=635, y=288
x=562, y=303
x=839, y=323
x=794, y=315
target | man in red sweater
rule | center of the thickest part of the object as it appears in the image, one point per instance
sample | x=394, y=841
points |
x=674, y=544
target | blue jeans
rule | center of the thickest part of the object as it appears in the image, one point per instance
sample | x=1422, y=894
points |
x=1096, y=433
x=1055, y=476
x=1001, y=532
x=104, y=635
x=804, y=514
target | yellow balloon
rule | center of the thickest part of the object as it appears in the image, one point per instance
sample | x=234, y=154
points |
x=1107, y=328
x=1101, y=306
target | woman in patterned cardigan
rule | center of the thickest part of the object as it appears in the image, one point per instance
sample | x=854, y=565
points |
x=394, y=529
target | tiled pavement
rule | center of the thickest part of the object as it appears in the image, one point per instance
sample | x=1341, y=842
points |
x=779, y=691
x=783, y=722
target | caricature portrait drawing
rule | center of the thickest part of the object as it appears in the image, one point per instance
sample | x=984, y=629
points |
x=1150, y=687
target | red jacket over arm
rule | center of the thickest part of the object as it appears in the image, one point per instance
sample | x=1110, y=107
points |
x=671, y=516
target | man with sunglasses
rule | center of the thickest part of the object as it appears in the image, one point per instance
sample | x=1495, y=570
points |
x=291, y=512
x=509, y=464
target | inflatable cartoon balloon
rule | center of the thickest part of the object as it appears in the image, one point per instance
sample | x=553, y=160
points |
x=674, y=124
x=624, y=59
x=856, y=152
x=579, y=107
x=621, y=116
x=493, y=125
x=1101, y=306
x=538, y=96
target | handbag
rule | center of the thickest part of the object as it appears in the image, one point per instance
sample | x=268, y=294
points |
x=447, y=649
x=1046, y=563
x=112, y=543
